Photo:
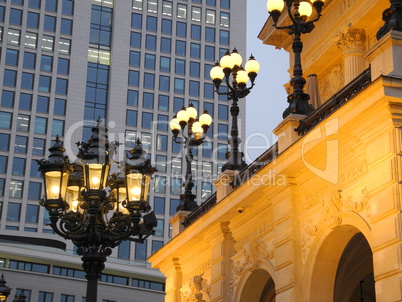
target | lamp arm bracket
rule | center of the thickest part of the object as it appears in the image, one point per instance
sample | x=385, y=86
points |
x=251, y=87
x=221, y=93
x=244, y=93
x=179, y=140
x=289, y=9
x=290, y=27
x=228, y=84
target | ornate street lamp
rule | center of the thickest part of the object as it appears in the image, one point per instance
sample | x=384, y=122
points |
x=230, y=65
x=80, y=208
x=298, y=12
x=4, y=289
x=196, y=134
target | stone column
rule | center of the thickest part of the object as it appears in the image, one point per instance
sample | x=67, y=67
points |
x=352, y=41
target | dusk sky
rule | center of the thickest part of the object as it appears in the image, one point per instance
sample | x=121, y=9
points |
x=267, y=100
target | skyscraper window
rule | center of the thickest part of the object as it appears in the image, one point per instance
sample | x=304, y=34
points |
x=167, y=8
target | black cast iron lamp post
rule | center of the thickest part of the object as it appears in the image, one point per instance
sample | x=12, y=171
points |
x=230, y=67
x=82, y=209
x=4, y=289
x=299, y=13
x=195, y=136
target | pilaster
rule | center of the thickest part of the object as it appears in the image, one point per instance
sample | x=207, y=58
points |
x=222, y=249
x=285, y=246
x=173, y=282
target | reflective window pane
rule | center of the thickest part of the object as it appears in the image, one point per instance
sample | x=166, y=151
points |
x=13, y=211
x=167, y=8
x=13, y=36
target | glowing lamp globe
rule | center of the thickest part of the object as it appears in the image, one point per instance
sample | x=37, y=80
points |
x=183, y=115
x=275, y=5
x=305, y=9
x=236, y=57
x=192, y=112
x=242, y=77
x=217, y=73
x=174, y=124
x=227, y=62
x=252, y=65
x=205, y=119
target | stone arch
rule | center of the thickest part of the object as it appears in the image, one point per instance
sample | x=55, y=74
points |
x=253, y=260
x=354, y=277
x=327, y=256
x=258, y=287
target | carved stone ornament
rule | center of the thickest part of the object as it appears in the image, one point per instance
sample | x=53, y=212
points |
x=331, y=204
x=332, y=82
x=196, y=290
x=254, y=253
x=316, y=197
x=352, y=40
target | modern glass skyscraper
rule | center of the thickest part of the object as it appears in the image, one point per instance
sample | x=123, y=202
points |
x=134, y=63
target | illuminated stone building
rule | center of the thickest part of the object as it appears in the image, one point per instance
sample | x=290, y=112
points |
x=134, y=63
x=317, y=216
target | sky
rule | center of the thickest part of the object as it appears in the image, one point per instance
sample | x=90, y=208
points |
x=267, y=100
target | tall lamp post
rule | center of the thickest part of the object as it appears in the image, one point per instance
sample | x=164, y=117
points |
x=230, y=67
x=80, y=208
x=298, y=12
x=193, y=137
x=4, y=289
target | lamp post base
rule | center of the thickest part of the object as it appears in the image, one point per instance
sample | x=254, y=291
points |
x=235, y=161
x=298, y=104
x=187, y=202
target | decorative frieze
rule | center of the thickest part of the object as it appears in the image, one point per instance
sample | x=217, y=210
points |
x=255, y=235
x=332, y=82
x=331, y=206
x=345, y=179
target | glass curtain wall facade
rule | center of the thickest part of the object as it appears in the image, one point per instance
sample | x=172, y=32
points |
x=134, y=63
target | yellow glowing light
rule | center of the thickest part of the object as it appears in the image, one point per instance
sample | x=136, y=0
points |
x=75, y=205
x=55, y=191
x=136, y=192
x=95, y=181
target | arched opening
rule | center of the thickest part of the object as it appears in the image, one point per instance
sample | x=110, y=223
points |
x=341, y=261
x=259, y=287
x=354, y=280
